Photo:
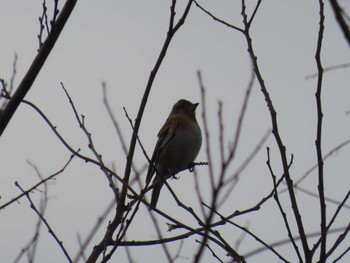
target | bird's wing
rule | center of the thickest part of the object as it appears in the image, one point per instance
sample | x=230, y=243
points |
x=165, y=135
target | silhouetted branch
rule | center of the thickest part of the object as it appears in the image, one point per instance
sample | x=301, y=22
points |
x=31, y=247
x=328, y=69
x=215, y=18
x=287, y=241
x=342, y=255
x=338, y=12
x=121, y=208
x=318, y=141
x=212, y=251
x=98, y=156
x=339, y=240
x=43, y=181
x=341, y=205
x=94, y=230
x=275, y=132
x=280, y=207
x=259, y=240
x=36, y=65
x=32, y=206
x=5, y=91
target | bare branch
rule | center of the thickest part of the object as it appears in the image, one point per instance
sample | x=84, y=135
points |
x=121, y=208
x=280, y=207
x=43, y=181
x=287, y=241
x=31, y=247
x=36, y=66
x=339, y=240
x=81, y=122
x=59, y=242
x=212, y=251
x=338, y=12
x=94, y=230
x=318, y=141
x=216, y=18
x=254, y=12
x=245, y=230
x=275, y=132
x=342, y=255
x=328, y=69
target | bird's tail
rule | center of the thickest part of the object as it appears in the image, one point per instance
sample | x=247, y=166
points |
x=157, y=186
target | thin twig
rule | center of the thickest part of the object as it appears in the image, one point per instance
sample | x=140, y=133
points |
x=98, y=156
x=212, y=251
x=318, y=142
x=94, y=230
x=215, y=18
x=254, y=13
x=113, y=119
x=59, y=242
x=328, y=69
x=13, y=76
x=77, y=152
x=32, y=245
x=342, y=255
x=138, y=138
x=245, y=230
x=27, y=192
x=236, y=138
x=206, y=129
x=340, y=19
x=280, y=207
x=275, y=132
x=287, y=241
x=325, y=157
x=121, y=208
x=341, y=205
x=339, y=240
x=36, y=65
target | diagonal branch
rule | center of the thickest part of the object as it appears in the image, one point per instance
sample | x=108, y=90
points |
x=121, y=207
x=275, y=132
x=280, y=207
x=43, y=181
x=59, y=242
x=36, y=66
x=340, y=19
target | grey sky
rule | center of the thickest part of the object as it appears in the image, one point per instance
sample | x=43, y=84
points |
x=118, y=42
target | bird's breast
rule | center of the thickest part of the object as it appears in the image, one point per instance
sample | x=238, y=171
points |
x=180, y=148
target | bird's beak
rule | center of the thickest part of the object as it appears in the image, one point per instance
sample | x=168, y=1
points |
x=195, y=105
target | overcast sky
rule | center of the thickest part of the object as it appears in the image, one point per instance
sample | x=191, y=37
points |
x=117, y=42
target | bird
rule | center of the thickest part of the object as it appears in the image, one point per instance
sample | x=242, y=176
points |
x=179, y=142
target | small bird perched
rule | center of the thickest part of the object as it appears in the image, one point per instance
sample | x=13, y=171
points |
x=179, y=142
